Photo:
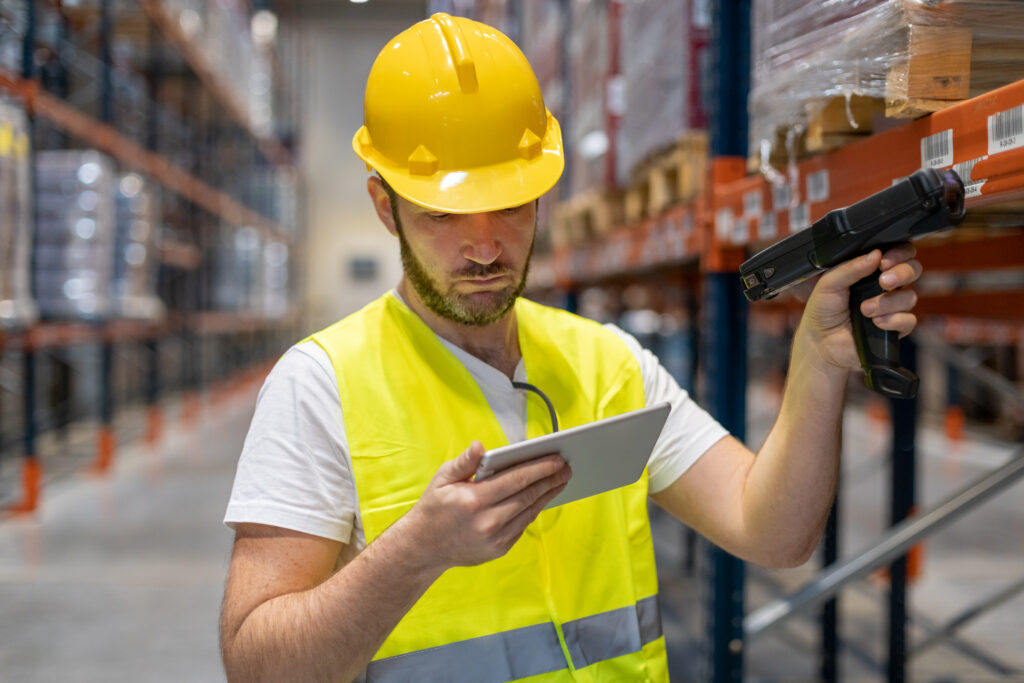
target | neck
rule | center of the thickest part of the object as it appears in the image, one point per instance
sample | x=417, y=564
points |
x=497, y=344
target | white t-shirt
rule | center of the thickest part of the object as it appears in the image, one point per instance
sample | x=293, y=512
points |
x=295, y=471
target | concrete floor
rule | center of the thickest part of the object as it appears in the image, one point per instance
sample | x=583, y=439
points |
x=120, y=579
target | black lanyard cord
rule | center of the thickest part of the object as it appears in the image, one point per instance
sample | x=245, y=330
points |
x=551, y=408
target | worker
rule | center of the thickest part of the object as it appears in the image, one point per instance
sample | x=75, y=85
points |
x=363, y=548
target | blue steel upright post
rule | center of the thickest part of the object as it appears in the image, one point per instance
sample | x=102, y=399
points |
x=725, y=343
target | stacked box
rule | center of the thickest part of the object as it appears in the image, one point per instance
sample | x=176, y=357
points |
x=276, y=285
x=74, y=254
x=136, y=261
x=238, y=270
x=916, y=55
x=661, y=72
x=16, y=306
x=589, y=142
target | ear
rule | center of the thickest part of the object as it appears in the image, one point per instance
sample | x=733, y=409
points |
x=381, y=203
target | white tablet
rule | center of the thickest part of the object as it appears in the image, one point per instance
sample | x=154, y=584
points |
x=604, y=455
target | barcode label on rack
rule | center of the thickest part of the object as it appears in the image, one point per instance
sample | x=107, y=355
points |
x=937, y=150
x=741, y=230
x=799, y=217
x=817, y=186
x=752, y=203
x=780, y=197
x=767, y=227
x=972, y=187
x=723, y=224
x=1006, y=130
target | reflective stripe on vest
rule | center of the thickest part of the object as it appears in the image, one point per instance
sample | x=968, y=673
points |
x=528, y=651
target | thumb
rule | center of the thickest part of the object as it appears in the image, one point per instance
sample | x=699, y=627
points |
x=462, y=467
x=849, y=272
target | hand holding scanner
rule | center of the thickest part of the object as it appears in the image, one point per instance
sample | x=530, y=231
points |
x=925, y=202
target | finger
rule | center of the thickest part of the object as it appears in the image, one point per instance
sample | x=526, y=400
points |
x=513, y=480
x=462, y=467
x=898, y=254
x=849, y=272
x=901, y=275
x=903, y=322
x=892, y=302
x=515, y=527
x=510, y=507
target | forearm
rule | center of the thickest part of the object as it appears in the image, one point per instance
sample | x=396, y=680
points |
x=330, y=632
x=791, y=484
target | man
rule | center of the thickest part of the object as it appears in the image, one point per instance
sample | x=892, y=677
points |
x=364, y=548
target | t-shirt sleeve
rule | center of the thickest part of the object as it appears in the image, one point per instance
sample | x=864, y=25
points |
x=689, y=431
x=294, y=470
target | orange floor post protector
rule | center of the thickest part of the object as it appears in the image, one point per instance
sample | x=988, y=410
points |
x=154, y=424
x=954, y=423
x=31, y=487
x=190, y=408
x=106, y=443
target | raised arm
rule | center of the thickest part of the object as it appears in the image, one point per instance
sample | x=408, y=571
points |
x=770, y=508
x=289, y=616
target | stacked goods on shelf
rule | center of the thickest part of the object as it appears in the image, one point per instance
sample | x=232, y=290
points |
x=16, y=306
x=594, y=99
x=542, y=43
x=275, y=282
x=136, y=266
x=74, y=252
x=830, y=70
x=12, y=28
x=238, y=270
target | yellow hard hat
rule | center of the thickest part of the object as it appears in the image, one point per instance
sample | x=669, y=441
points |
x=455, y=120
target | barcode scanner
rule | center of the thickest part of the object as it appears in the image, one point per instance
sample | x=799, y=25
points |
x=925, y=202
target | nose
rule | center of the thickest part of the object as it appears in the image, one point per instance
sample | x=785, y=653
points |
x=480, y=238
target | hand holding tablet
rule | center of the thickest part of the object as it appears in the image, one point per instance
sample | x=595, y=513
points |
x=603, y=455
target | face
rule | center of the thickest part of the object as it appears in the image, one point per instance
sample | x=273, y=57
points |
x=468, y=268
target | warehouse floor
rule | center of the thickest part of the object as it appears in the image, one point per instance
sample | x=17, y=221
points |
x=121, y=578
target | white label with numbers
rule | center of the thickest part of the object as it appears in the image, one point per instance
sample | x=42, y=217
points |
x=723, y=224
x=780, y=197
x=752, y=203
x=741, y=230
x=937, y=150
x=768, y=227
x=817, y=186
x=972, y=186
x=1006, y=130
x=799, y=217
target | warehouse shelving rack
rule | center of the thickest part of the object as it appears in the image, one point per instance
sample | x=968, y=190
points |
x=216, y=347
x=982, y=138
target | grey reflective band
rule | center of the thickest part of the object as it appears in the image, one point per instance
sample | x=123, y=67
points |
x=528, y=651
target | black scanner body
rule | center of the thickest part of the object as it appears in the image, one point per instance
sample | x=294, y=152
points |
x=927, y=201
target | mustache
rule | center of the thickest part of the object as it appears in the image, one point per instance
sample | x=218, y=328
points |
x=480, y=270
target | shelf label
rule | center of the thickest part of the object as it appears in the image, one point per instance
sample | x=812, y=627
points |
x=799, y=217
x=780, y=197
x=817, y=186
x=767, y=227
x=723, y=224
x=972, y=187
x=937, y=150
x=752, y=204
x=1006, y=130
x=741, y=230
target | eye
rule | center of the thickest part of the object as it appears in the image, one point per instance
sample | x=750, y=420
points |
x=512, y=209
x=438, y=216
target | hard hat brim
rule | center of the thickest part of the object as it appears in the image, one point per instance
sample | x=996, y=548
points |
x=475, y=190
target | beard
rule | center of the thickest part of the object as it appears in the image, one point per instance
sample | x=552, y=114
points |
x=478, y=309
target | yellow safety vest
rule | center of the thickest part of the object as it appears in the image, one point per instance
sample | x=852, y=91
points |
x=575, y=599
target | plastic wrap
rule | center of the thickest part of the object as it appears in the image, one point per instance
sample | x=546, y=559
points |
x=589, y=140
x=74, y=251
x=662, y=42
x=16, y=306
x=136, y=263
x=917, y=55
x=238, y=270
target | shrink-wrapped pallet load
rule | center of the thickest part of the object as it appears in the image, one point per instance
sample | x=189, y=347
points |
x=16, y=306
x=136, y=259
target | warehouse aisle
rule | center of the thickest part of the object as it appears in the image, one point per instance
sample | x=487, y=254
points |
x=120, y=579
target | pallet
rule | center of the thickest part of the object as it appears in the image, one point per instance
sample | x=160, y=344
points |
x=586, y=217
x=670, y=176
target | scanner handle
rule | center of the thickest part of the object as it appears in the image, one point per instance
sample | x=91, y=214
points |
x=878, y=349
